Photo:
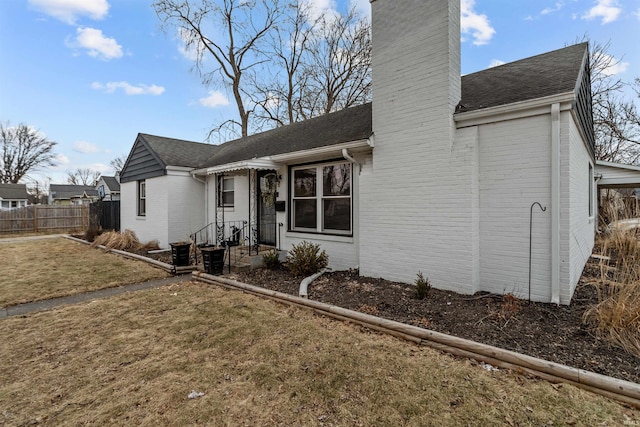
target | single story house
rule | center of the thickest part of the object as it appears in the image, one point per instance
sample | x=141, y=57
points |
x=68, y=194
x=440, y=174
x=13, y=196
x=108, y=187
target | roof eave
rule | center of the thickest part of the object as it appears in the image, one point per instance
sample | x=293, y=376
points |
x=278, y=160
x=514, y=110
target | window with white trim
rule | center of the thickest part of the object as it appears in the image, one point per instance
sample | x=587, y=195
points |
x=142, y=198
x=226, y=194
x=322, y=198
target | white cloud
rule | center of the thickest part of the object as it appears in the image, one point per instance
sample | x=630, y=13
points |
x=62, y=160
x=474, y=24
x=85, y=147
x=70, y=10
x=188, y=46
x=608, y=10
x=97, y=45
x=317, y=8
x=638, y=13
x=128, y=88
x=616, y=67
x=496, y=63
x=215, y=99
x=556, y=8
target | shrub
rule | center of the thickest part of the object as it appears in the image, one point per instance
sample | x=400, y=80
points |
x=306, y=258
x=271, y=259
x=423, y=286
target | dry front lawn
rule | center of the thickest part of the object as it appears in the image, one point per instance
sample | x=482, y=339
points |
x=37, y=270
x=134, y=359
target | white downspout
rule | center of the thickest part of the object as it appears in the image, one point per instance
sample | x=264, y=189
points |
x=347, y=156
x=555, y=203
x=206, y=196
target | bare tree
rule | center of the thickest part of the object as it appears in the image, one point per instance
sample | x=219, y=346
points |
x=616, y=120
x=83, y=176
x=337, y=72
x=23, y=149
x=279, y=99
x=227, y=31
x=118, y=163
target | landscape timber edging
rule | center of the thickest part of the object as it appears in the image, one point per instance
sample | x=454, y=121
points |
x=614, y=388
x=163, y=265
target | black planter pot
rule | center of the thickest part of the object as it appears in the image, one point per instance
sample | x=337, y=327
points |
x=180, y=255
x=213, y=260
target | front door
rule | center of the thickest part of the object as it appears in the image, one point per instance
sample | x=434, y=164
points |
x=267, y=184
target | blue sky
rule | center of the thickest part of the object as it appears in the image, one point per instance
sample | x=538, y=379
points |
x=91, y=74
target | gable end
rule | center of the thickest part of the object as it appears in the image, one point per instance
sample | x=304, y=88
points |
x=142, y=163
x=583, y=104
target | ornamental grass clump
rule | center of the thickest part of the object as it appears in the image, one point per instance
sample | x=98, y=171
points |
x=125, y=241
x=616, y=317
x=306, y=258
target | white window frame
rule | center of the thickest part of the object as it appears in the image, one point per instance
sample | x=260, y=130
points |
x=221, y=191
x=319, y=197
x=142, y=197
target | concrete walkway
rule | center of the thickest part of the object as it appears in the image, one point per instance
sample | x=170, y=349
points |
x=32, y=307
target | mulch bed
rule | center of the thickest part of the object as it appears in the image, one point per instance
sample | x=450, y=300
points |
x=547, y=331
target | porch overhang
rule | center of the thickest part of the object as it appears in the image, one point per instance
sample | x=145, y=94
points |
x=256, y=164
x=617, y=175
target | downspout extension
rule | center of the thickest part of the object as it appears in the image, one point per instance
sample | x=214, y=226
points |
x=304, y=285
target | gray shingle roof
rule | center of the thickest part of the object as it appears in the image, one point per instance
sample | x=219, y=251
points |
x=177, y=152
x=13, y=191
x=543, y=75
x=351, y=124
x=67, y=191
x=111, y=182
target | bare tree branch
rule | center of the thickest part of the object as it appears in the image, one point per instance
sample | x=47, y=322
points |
x=23, y=150
x=83, y=176
x=234, y=49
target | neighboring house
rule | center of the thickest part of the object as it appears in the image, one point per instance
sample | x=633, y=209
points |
x=440, y=174
x=67, y=194
x=13, y=196
x=108, y=187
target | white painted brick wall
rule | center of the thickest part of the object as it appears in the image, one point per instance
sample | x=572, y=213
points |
x=578, y=230
x=417, y=204
x=175, y=208
x=153, y=226
x=515, y=171
x=185, y=205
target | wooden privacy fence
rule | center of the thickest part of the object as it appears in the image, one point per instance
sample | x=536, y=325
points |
x=44, y=218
